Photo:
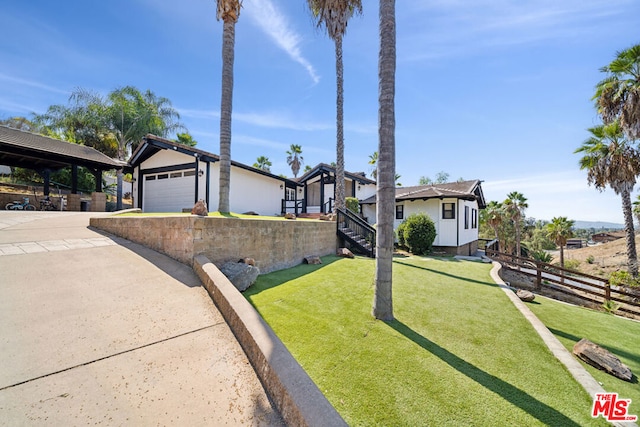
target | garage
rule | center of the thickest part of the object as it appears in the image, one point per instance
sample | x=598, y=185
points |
x=169, y=191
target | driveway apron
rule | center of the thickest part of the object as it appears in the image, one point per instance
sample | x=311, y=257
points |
x=97, y=329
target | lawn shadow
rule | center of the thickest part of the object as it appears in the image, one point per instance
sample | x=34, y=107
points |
x=466, y=279
x=537, y=409
x=277, y=278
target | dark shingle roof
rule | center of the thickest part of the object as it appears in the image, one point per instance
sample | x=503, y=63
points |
x=323, y=167
x=468, y=190
x=15, y=142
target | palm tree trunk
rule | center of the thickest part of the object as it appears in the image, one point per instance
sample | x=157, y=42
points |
x=228, y=42
x=632, y=256
x=340, y=196
x=561, y=263
x=385, y=206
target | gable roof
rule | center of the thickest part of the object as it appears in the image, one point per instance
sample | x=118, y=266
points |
x=325, y=168
x=152, y=144
x=31, y=150
x=466, y=190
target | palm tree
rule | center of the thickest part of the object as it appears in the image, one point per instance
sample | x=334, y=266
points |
x=386, y=172
x=228, y=11
x=618, y=96
x=294, y=159
x=514, y=205
x=636, y=208
x=335, y=15
x=611, y=160
x=493, y=215
x=559, y=230
x=373, y=160
x=263, y=163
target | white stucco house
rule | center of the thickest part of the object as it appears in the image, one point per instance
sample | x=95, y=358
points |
x=171, y=177
x=453, y=207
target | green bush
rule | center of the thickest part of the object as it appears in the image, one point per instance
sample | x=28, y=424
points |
x=353, y=204
x=400, y=234
x=542, y=256
x=419, y=233
x=572, y=264
x=590, y=259
x=623, y=278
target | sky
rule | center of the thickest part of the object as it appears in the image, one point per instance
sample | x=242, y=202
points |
x=495, y=90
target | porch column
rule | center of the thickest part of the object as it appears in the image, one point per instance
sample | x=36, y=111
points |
x=74, y=179
x=46, y=174
x=322, y=192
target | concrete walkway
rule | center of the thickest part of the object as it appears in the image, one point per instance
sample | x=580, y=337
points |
x=99, y=330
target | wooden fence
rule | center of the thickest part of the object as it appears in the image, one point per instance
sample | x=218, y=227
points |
x=584, y=286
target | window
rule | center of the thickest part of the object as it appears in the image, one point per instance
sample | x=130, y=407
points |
x=474, y=218
x=163, y=176
x=399, y=211
x=448, y=211
x=290, y=194
x=150, y=178
x=466, y=217
x=176, y=175
x=190, y=173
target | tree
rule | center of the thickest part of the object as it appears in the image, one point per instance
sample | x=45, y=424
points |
x=228, y=11
x=263, y=163
x=294, y=159
x=20, y=123
x=636, y=208
x=186, y=138
x=514, y=205
x=335, y=15
x=611, y=160
x=386, y=164
x=618, y=95
x=559, y=230
x=493, y=215
x=442, y=177
x=114, y=124
x=373, y=160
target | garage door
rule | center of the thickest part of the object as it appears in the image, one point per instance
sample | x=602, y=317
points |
x=169, y=191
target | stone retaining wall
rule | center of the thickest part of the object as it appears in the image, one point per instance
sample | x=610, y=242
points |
x=274, y=244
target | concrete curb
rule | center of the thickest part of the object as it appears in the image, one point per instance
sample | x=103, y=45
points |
x=578, y=372
x=296, y=396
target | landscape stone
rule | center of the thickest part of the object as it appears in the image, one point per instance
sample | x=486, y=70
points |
x=200, y=208
x=313, y=259
x=249, y=261
x=328, y=217
x=344, y=252
x=602, y=359
x=525, y=296
x=289, y=215
x=240, y=274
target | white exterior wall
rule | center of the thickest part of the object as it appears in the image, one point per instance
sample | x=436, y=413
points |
x=365, y=191
x=470, y=234
x=251, y=191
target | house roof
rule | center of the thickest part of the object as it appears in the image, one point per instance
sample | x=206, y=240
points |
x=30, y=150
x=466, y=190
x=151, y=144
x=325, y=168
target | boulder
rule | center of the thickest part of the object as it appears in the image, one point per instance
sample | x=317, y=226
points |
x=289, y=215
x=313, y=259
x=344, y=252
x=602, y=359
x=200, y=208
x=328, y=217
x=249, y=261
x=525, y=296
x=240, y=274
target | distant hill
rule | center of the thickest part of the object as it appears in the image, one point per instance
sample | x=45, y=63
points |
x=598, y=225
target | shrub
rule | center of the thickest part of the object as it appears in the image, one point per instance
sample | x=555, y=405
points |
x=400, y=233
x=623, y=278
x=542, y=256
x=590, y=259
x=572, y=264
x=353, y=204
x=419, y=233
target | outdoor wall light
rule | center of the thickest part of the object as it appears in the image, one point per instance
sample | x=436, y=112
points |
x=200, y=173
x=359, y=187
x=281, y=186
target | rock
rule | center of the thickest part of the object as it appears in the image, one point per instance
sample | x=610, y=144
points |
x=240, y=274
x=289, y=215
x=602, y=359
x=525, y=296
x=314, y=260
x=344, y=252
x=200, y=208
x=328, y=217
x=249, y=261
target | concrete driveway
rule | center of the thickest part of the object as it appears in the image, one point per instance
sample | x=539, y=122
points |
x=95, y=329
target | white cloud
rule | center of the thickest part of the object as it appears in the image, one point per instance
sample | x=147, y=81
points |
x=264, y=15
x=31, y=83
x=271, y=119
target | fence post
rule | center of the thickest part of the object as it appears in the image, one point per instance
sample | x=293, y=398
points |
x=607, y=291
x=538, y=275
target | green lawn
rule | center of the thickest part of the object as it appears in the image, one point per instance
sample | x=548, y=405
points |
x=620, y=336
x=458, y=353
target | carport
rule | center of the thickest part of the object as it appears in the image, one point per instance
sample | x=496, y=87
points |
x=23, y=149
